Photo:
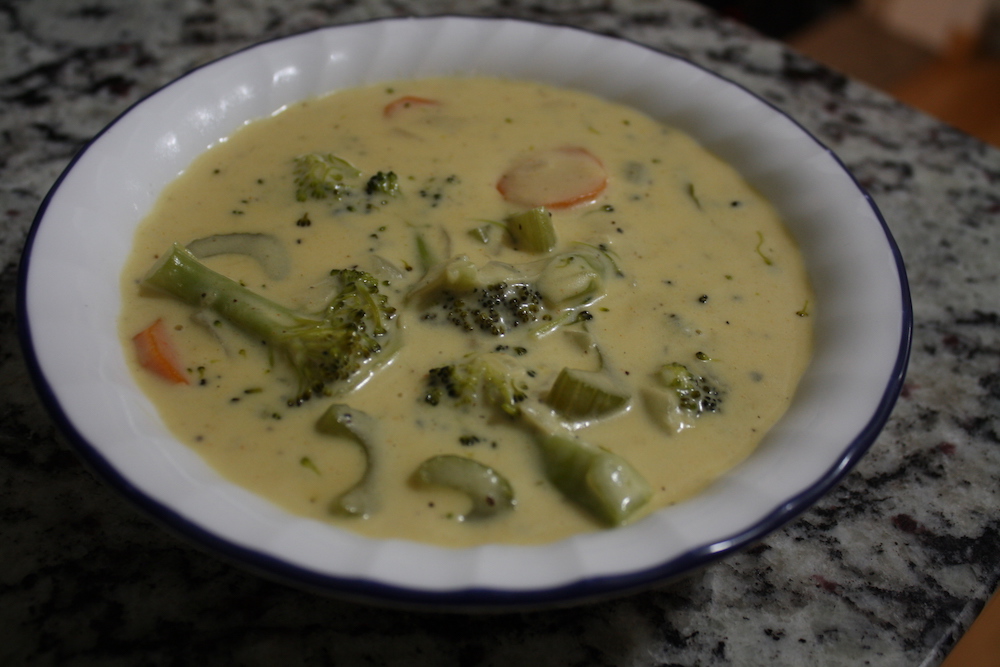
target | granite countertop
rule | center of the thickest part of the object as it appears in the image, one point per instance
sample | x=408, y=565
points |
x=889, y=568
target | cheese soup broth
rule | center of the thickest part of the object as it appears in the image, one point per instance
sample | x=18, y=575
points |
x=710, y=278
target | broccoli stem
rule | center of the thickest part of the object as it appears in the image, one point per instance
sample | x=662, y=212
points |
x=180, y=274
x=342, y=344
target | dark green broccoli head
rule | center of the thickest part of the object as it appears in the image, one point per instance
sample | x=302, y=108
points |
x=490, y=379
x=495, y=309
x=384, y=183
x=695, y=393
x=323, y=175
x=341, y=344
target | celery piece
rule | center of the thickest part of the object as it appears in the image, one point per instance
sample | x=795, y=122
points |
x=581, y=395
x=489, y=491
x=433, y=245
x=532, y=231
x=264, y=248
x=342, y=421
x=597, y=479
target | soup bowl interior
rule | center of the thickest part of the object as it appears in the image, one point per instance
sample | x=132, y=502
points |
x=83, y=234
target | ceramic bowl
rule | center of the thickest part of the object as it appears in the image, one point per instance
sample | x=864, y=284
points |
x=70, y=302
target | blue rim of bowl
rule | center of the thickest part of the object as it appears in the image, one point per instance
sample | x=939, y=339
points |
x=481, y=599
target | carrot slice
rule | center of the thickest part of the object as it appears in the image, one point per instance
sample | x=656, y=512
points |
x=556, y=178
x=156, y=353
x=407, y=102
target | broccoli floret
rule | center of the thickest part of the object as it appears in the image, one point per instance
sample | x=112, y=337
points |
x=326, y=176
x=498, y=297
x=494, y=309
x=384, y=182
x=695, y=394
x=495, y=298
x=575, y=278
x=679, y=397
x=323, y=175
x=487, y=379
x=341, y=345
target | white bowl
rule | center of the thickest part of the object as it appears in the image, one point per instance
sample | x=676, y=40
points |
x=81, y=236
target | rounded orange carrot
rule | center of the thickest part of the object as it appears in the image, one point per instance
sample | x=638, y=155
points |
x=556, y=178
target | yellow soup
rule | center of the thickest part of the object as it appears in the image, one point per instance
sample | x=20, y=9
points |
x=512, y=230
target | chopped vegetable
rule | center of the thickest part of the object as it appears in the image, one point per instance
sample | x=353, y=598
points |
x=487, y=378
x=341, y=421
x=498, y=297
x=337, y=348
x=407, y=102
x=574, y=278
x=460, y=274
x=556, y=178
x=680, y=397
x=597, y=479
x=384, y=182
x=323, y=175
x=264, y=248
x=432, y=246
x=694, y=393
x=156, y=353
x=495, y=298
x=489, y=491
x=532, y=231
x=582, y=396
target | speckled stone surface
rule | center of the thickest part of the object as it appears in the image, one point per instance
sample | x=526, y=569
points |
x=888, y=569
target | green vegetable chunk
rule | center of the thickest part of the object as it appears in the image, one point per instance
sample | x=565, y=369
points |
x=679, y=397
x=532, y=231
x=694, y=393
x=342, y=421
x=488, y=378
x=574, y=278
x=489, y=491
x=264, y=248
x=581, y=395
x=383, y=183
x=334, y=349
x=600, y=481
x=322, y=176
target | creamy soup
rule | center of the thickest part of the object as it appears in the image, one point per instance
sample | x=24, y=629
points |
x=615, y=246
